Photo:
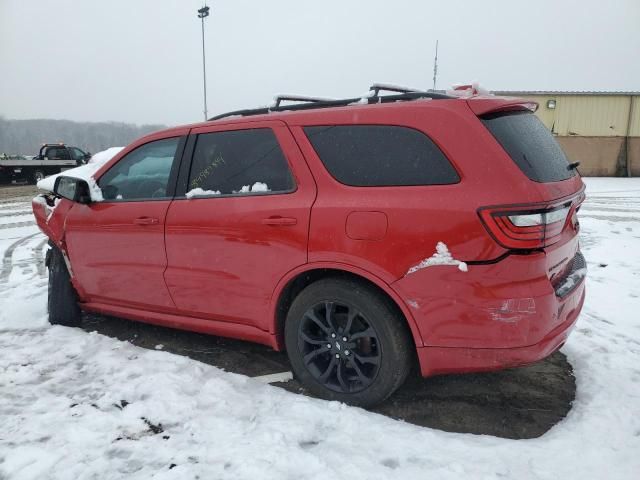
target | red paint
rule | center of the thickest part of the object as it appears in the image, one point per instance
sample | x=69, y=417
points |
x=226, y=255
x=219, y=265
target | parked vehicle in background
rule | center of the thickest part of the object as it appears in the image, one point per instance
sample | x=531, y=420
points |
x=60, y=151
x=359, y=235
x=53, y=158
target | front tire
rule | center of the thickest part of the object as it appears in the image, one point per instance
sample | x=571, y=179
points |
x=347, y=342
x=62, y=302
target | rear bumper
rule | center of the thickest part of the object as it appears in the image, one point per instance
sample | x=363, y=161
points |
x=493, y=316
x=439, y=360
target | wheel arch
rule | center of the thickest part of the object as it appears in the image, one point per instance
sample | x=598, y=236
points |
x=298, y=279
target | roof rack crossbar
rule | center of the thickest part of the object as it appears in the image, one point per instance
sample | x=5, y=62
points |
x=297, y=98
x=384, y=87
x=319, y=103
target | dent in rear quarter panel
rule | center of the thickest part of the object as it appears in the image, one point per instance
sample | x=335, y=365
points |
x=504, y=305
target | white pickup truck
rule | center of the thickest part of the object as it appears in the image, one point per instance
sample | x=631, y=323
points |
x=53, y=158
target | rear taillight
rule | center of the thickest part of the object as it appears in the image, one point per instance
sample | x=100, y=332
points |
x=528, y=227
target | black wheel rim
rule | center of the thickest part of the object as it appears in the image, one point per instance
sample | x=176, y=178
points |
x=339, y=347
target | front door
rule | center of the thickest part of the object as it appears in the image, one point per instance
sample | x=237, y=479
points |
x=116, y=247
x=240, y=225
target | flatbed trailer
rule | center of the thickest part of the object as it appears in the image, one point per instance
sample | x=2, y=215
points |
x=33, y=170
x=53, y=158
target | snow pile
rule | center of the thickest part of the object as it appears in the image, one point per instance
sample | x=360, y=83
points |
x=441, y=257
x=256, y=187
x=199, y=192
x=364, y=99
x=84, y=172
x=467, y=91
x=105, y=155
x=259, y=187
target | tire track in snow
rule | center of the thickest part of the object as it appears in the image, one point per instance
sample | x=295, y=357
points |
x=38, y=258
x=31, y=256
x=7, y=259
x=14, y=206
x=28, y=223
x=17, y=213
x=15, y=200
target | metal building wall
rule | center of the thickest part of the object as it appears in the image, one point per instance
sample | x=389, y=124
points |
x=600, y=130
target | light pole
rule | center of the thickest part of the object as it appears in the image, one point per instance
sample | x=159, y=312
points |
x=202, y=14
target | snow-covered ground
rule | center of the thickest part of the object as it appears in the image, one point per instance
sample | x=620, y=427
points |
x=62, y=413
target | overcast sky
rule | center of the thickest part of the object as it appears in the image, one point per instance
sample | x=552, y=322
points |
x=140, y=60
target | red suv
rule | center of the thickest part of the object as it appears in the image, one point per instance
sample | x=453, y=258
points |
x=357, y=234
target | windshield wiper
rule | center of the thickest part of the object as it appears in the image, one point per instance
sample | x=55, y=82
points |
x=573, y=166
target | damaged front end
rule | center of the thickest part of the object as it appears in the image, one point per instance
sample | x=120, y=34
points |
x=50, y=212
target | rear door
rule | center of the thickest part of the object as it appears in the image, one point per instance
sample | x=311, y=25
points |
x=116, y=246
x=240, y=222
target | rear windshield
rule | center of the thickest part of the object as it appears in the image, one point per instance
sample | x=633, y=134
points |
x=380, y=155
x=530, y=145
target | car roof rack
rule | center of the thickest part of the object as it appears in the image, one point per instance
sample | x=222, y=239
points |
x=311, y=103
x=385, y=87
x=297, y=98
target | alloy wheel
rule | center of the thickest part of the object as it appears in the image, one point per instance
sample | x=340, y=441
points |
x=339, y=347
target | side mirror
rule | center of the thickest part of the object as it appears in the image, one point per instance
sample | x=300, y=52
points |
x=74, y=189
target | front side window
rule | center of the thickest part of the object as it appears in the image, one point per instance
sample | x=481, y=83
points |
x=141, y=174
x=239, y=162
x=380, y=155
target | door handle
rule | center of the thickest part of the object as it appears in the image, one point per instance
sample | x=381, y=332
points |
x=279, y=221
x=146, y=221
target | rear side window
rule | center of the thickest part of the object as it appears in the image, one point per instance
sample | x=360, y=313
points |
x=530, y=145
x=239, y=161
x=380, y=155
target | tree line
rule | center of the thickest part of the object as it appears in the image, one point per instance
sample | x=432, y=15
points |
x=24, y=137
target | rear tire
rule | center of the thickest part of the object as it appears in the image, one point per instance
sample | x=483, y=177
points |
x=37, y=176
x=347, y=342
x=62, y=303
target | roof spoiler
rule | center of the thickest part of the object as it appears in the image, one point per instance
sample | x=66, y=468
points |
x=483, y=105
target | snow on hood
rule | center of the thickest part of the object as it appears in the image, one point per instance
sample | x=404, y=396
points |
x=84, y=172
x=105, y=155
